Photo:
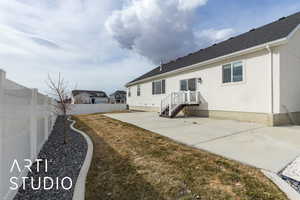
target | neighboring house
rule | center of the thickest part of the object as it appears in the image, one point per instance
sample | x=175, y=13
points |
x=251, y=77
x=118, y=96
x=89, y=97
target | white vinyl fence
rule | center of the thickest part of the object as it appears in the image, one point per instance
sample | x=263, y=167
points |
x=79, y=109
x=26, y=120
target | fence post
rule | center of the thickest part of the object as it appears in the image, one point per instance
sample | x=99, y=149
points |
x=46, y=117
x=2, y=80
x=53, y=115
x=33, y=123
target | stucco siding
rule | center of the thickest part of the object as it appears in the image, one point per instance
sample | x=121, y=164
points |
x=251, y=95
x=289, y=75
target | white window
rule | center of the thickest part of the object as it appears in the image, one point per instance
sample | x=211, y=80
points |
x=188, y=85
x=232, y=72
x=159, y=87
x=138, y=90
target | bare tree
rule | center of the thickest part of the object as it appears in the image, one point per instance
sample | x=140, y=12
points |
x=59, y=89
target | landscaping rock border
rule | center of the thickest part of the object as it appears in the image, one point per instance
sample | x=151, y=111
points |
x=64, y=160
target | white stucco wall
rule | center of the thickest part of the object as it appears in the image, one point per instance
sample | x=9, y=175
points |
x=251, y=95
x=290, y=75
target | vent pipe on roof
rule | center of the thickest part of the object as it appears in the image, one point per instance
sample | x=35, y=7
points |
x=161, y=66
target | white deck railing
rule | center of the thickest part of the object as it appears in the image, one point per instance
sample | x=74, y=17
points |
x=175, y=99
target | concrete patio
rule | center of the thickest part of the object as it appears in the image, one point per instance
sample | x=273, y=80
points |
x=269, y=148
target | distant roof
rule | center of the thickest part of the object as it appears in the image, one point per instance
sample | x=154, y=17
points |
x=270, y=32
x=91, y=92
x=119, y=92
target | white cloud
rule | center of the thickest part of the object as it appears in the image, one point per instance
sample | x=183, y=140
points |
x=51, y=36
x=190, y=4
x=71, y=37
x=210, y=36
x=216, y=35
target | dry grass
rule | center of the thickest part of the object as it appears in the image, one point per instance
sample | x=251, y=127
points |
x=132, y=163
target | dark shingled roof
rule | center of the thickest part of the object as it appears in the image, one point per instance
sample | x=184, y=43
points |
x=91, y=92
x=270, y=32
x=121, y=92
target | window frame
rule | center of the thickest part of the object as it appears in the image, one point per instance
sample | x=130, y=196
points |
x=231, y=82
x=129, y=91
x=162, y=89
x=138, y=90
x=186, y=85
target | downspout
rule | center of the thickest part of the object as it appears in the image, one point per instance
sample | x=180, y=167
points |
x=272, y=78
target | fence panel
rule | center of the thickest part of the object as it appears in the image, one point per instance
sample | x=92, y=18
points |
x=26, y=121
x=78, y=109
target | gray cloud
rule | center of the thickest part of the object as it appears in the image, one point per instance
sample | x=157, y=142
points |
x=45, y=42
x=160, y=30
x=155, y=29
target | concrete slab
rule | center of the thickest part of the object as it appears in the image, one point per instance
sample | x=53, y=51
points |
x=269, y=148
x=266, y=148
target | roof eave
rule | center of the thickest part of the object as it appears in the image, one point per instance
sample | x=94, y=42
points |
x=278, y=42
x=218, y=59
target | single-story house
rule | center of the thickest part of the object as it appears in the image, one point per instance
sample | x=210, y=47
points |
x=118, y=96
x=89, y=97
x=252, y=77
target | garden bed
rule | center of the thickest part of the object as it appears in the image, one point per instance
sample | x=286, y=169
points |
x=64, y=160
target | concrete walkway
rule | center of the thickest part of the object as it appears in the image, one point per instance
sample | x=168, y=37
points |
x=269, y=148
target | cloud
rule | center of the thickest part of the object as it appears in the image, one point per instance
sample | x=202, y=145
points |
x=158, y=30
x=82, y=38
x=45, y=42
x=190, y=4
x=51, y=36
x=209, y=36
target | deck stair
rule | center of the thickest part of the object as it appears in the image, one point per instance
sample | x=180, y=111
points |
x=175, y=102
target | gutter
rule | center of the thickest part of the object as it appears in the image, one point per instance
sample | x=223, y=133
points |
x=272, y=78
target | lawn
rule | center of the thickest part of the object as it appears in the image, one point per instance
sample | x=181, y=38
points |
x=133, y=163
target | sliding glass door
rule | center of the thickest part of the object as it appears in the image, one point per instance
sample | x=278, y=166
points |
x=188, y=85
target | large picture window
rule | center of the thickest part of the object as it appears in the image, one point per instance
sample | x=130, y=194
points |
x=232, y=72
x=188, y=85
x=159, y=87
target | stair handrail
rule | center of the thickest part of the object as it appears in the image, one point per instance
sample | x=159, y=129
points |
x=164, y=103
x=175, y=99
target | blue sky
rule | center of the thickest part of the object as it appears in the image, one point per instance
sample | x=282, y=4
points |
x=101, y=45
